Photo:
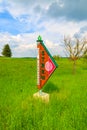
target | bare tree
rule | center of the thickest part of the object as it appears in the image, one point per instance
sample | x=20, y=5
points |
x=75, y=48
x=85, y=53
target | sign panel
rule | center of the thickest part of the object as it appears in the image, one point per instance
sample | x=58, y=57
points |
x=45, y=64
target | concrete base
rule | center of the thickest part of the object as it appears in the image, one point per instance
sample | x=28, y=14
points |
x=43, y=96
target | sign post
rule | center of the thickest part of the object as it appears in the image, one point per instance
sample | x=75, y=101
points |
x=46, y=65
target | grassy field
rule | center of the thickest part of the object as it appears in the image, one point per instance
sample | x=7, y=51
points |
x=67, y=108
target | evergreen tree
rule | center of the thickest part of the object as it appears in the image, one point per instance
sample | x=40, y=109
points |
x=7, y=51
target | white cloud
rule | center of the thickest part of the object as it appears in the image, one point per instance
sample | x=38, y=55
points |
x=26, y=45
x=63, y=27
x=32, y=20
x=19, y=7
x=54, y=48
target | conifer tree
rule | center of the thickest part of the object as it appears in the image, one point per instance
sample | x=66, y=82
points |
x=7, y=51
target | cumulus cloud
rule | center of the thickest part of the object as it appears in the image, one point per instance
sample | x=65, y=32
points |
x=21, y=21
x=20, y=44
x=25, y=45
x=72, y=10
x=82, y=32
x=54, y=48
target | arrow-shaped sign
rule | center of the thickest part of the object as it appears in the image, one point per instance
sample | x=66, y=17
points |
x=45, y=64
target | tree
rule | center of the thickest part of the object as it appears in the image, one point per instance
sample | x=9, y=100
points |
x=85, y=53
x=57, y=57
x=75, y=48
x=7, y=51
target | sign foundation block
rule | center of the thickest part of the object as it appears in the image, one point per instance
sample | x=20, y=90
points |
x=42, y=96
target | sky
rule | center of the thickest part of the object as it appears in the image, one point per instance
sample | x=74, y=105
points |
x=22, y=21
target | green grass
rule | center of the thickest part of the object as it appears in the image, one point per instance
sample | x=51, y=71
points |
x=67, y=108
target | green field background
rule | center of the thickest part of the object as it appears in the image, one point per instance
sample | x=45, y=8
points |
x=67, y=108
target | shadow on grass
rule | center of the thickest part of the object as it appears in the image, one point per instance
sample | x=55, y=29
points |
x=50, y=88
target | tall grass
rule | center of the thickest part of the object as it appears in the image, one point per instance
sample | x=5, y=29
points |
x=67, y=108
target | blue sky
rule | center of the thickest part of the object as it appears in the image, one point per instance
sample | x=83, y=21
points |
x=21, y=21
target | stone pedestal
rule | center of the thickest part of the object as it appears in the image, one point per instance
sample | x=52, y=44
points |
x=43, y=96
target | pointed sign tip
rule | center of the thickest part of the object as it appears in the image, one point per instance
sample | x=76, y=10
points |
x=39, y=37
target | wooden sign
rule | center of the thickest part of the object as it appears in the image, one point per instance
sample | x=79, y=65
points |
x=45, y=64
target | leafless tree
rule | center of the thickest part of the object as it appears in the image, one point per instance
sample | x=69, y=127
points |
x=85, y=53
x=75, y=48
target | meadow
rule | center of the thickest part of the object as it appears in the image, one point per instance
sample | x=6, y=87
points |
x=67, y=108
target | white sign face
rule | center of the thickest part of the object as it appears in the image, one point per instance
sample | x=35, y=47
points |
x=38, y=69
x=48, y=66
